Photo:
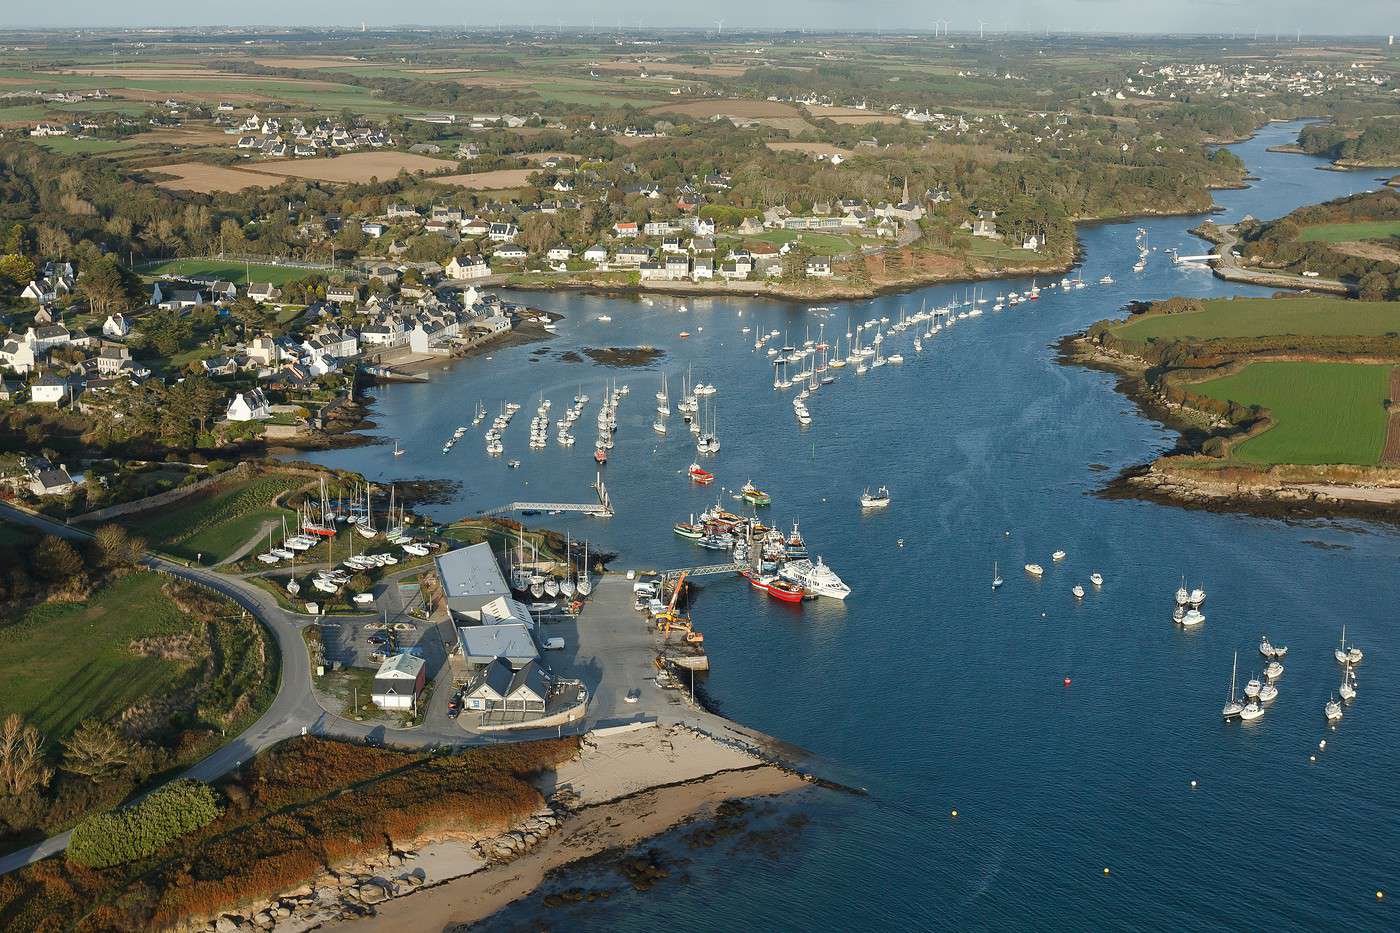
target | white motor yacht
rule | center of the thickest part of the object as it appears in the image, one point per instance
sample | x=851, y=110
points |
x=1251, y=712
x=1251, y=689
x=1035, y=570
x=1274, y=670
x=1182, y=596
x=1078, y=591
x=1268, y=693
x=1333, y=710
x=1192, y=618
x=1096, y=578
x=1058, y=555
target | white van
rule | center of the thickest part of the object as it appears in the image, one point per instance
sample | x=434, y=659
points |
x=553, y=644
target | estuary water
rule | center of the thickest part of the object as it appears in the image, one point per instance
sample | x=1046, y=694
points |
x=930, y=689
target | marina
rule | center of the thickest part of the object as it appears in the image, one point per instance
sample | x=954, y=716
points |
x=994, y=451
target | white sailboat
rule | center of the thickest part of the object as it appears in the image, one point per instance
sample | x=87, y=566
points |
x=1348, y=687
x=1233, y=707
x=585, y=582
x=996, y=576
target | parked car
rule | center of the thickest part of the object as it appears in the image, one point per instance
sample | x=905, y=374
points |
x=379, y=639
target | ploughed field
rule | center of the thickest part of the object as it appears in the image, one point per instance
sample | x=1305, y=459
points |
x=1321, y=412
x=1262, y=317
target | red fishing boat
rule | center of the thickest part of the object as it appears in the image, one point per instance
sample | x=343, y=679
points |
x=757, y=581
x=699, y=474
x=787, y=592
x=600, y=455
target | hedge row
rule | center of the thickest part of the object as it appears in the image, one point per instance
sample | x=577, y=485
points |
x=129, y=833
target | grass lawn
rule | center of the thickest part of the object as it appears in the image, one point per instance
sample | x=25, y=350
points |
x=1260, y=317
x=1341, y=233
x=1323, y=412
x=981, y=247
x=232, y=271
x=214, y=523
x=69, y=661
x=815, y=241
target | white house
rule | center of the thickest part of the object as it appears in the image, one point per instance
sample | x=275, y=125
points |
x=502, y=232
x=510, y=252
x=48, y=389
x=596, y=254
x=461, y=268
x=251, y=406
x=18, y=354
x=170, y=295
x=819, y=266
x=398, y=682
x=559, y=254
x=264, y=291
x=116, y=326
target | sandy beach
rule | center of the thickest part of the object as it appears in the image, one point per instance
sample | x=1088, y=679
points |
x=628, y=787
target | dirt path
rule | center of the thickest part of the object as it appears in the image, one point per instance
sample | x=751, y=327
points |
x=248, y=545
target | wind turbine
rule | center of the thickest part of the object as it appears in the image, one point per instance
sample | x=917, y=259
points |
x=719, y=27
x=980, y=26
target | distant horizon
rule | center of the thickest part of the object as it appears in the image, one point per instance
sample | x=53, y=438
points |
x=1166, y=18
x=953, y=32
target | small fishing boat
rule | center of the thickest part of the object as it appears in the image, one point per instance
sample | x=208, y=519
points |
x=753, y=494
x=600, y=455
x=689, y=530
x=1078, y=591
x=699, y=474
x=879, y=500
x=785, y=591
x=1096, y=578
x=1058, y=555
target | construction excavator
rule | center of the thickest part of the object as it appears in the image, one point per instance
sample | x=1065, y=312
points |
x=671, y=619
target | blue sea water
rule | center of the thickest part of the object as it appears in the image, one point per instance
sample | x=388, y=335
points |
x=934, y=692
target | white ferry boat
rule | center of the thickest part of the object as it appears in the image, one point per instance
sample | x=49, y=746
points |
x=815, y=578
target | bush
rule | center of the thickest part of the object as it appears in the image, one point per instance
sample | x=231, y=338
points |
x=117, y=836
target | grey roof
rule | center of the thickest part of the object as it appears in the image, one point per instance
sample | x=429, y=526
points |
x=470, y=577
x=510, y=640
x=530, y=676
x=497, y=675
x=400, y=666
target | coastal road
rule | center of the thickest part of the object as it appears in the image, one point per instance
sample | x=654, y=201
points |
x=1229, y=267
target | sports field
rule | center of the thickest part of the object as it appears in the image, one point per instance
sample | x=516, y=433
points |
x=1341, y=233
x=1262, y=317
x=1322, y=412
x=230, y=270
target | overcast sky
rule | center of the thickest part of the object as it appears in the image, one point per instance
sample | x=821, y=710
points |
x=1337, y=17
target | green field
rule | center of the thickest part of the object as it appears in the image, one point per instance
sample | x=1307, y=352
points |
x=231, y=271
x=69, y=661
x=214, y=523
x=1341, y=233
x=1262, y=317
x=1322, y=412
x=70, y=146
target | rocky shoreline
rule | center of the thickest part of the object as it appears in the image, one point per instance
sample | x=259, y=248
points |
x=626, y=785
